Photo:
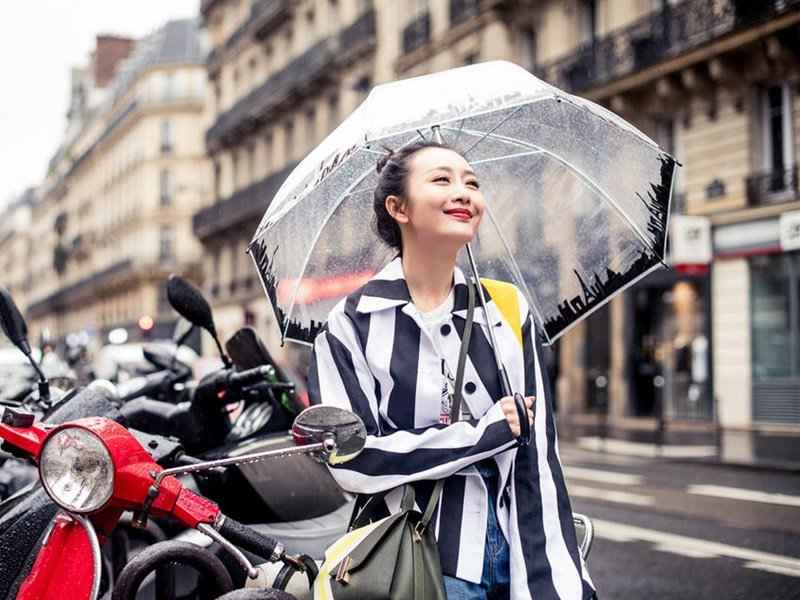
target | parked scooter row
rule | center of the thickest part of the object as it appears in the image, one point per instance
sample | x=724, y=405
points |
x=203, y=406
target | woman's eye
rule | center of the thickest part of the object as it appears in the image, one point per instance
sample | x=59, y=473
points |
x=474, y=184
x=442, y=178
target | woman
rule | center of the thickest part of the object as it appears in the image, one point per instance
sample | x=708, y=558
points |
x=504, y=522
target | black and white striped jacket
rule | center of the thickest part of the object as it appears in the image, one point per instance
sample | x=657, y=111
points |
x=376, y=358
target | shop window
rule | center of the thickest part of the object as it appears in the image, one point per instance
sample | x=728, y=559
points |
x=775, y=316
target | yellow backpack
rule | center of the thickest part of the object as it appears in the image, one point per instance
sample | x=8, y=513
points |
x=504, y=295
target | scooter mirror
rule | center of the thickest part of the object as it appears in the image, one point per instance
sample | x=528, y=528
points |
x=13, y=323
x=317, y=424
x=189, y=303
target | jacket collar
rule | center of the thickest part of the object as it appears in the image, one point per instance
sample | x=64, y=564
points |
x=388, y=289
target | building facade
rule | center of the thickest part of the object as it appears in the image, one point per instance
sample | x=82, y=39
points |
x=114, y=218
x=712, y=340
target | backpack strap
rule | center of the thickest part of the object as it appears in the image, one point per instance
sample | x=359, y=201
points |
x=504, y=295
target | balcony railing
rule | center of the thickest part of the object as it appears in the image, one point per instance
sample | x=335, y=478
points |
x=461, y=10
x=358, y=37
x=265, y=16
x=772, y=187
x=248, y=204
x=417, y=33
x=296, y=78
x=657, y=37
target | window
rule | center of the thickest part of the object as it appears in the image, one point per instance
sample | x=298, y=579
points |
x=777, y=147
x=163, y=307
x=166, y=136
x=169, y=86
x=775, y=315
x=253, y=64
x=217, y=180
x=527, y=48
x=251, y=163
x=166, y=244
x=333, y=111
x=288, y=129
x=311, y=126
x=589, y=24
x=268, y=150
x=166, y=185
x=235, y=170
x=235, y=80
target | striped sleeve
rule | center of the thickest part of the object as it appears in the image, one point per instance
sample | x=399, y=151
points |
x=340, y=376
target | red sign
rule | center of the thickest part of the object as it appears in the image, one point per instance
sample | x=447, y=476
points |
x=313, y=289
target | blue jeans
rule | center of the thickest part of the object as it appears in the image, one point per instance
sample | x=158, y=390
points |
x=494, y=583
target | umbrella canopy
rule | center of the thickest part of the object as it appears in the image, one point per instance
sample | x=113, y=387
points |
x=577, y=198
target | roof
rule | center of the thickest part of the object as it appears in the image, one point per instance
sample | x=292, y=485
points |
x=177, y=42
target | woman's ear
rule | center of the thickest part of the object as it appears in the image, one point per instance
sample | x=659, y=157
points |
x=396, y=207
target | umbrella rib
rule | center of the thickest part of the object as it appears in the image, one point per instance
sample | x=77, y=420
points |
x=580, y=173
x=533, y=299
x=488, y=133
x=504, y=157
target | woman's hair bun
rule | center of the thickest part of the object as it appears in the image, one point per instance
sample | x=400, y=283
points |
x=389, y=153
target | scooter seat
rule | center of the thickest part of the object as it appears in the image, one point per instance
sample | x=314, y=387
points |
x=306, y=536
x=310, y=536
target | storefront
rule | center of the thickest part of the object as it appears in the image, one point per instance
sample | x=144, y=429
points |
x=769, y=254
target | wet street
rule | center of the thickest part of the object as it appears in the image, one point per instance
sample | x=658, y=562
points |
x=676, y=530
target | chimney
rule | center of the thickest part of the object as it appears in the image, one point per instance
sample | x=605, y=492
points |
x=110, y=51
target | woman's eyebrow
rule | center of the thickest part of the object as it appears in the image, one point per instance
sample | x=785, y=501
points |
x=450, y=170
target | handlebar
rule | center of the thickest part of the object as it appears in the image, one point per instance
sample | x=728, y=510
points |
x=251, y=540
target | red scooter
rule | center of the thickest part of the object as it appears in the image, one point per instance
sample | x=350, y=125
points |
x=95, y=469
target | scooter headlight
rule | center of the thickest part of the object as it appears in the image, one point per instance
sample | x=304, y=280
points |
x=76, y=470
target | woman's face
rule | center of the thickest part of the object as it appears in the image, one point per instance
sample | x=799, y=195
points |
x=444, y=202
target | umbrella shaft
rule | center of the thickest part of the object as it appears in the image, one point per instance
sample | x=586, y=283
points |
x=505, y=382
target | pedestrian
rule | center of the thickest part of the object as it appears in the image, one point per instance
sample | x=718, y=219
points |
x=504, y=523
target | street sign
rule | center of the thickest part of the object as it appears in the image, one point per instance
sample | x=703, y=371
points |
x=790, y=230
x=690, y=240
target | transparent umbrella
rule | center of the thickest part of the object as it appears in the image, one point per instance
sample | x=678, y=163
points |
x=577, y=198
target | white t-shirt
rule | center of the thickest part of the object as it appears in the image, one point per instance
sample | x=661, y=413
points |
x=433, y=319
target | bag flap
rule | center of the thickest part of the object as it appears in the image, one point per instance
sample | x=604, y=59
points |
x=368, y=544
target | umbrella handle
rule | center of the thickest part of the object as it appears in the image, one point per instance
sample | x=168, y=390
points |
x=524, y=438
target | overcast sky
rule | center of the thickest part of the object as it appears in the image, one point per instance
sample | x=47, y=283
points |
x=39, y=41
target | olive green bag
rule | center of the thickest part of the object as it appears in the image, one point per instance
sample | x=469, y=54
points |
x=395, y=558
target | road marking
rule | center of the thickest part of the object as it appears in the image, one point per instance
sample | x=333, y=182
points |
x=582, y=491
x=577, y=455
x=646, y=450
x=733, y=493
x=601, y=476
x=693, y=547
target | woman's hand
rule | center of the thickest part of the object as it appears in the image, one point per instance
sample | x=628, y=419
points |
x=511, y=414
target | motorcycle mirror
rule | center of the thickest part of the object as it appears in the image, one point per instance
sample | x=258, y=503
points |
x=189, y=303
x=16, y=329
x=13, y=323
x=320, y=423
